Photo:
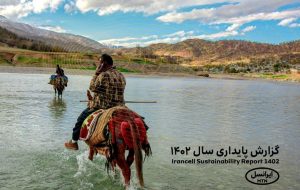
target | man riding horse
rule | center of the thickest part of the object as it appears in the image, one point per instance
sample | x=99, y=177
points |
x=108, y=86
x=108, y=126
x=59, y=81
x=59, y=71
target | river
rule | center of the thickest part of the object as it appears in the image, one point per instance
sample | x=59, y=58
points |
x=191, y=112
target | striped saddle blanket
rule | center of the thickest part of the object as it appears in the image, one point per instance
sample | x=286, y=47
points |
x=89, y=125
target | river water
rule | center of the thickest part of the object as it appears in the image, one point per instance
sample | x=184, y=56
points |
x=190, y=112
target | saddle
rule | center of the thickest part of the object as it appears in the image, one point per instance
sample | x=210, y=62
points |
x=89, y=125
x=54, y=77
x=104, y=129
x=100, y=125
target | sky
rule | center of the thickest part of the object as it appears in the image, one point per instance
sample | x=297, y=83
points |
x=132, y=23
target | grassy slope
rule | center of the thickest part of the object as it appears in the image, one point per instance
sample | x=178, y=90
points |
x=21, y=57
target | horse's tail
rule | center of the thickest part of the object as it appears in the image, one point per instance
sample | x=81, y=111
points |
x=138, y=156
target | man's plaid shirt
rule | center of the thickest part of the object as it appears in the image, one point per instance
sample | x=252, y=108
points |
x=108, y=88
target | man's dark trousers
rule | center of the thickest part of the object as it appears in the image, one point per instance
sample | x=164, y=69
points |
x=80, y=120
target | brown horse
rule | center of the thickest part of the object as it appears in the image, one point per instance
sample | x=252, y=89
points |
x=126, y=132
x=58, y=86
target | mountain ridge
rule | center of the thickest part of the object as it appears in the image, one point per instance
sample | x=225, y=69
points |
x=202, y=52
x=67, y=41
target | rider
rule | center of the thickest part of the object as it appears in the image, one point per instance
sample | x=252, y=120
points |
x=108, y=85
x=59, y=71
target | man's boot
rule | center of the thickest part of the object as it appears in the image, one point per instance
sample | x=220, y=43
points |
x=71, y=145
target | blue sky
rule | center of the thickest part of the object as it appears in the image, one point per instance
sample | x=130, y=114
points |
x=143, y=22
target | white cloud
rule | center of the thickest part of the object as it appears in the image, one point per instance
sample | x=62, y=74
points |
x=248, y=29
x=110, y=9
x=238, y=14
x=233, y=27
x=9, y=2
x=181, y=33
x=12, y=11
x=195, y=14
x=171, y=38
x=290, y=22
x=241, y=8
x=287, y=21
x=53, y=4
x=149, y=37
x=294, y=25
x=260, y=16
x=218, y=35
x=148, y=40
x=70, y=7
x=53, y=28
x=143, y=6
x=22, y=8
x=233, y=12
x=229, y=9
x=128, y=41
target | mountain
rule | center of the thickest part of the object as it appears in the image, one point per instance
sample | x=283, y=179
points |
x=223, y=48
x=10, y=39
x=203, y=52
x=69, y=42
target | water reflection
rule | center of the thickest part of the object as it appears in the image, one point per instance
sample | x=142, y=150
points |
x=57, y=107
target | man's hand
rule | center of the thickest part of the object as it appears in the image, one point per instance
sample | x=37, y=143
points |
x=99, y=69
x=90, y=99
x=88, y=94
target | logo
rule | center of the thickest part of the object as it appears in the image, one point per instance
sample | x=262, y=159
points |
x=262, y=176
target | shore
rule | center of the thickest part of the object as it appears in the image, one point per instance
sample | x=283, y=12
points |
x=40, y=70
x=249, y=76
x=47, y=70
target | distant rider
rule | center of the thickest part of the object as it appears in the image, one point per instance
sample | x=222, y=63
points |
x=59, y=73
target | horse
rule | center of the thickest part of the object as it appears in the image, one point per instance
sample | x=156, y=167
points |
x=58, y=86
x=126, y=132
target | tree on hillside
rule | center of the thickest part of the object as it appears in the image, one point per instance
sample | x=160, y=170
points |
x=13, y=40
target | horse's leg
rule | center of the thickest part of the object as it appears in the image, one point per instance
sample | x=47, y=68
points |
x=130, y=157
x=121, y=162
x=54, y=90
x=91, y=153
x=113, y=164
x=59, y=93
